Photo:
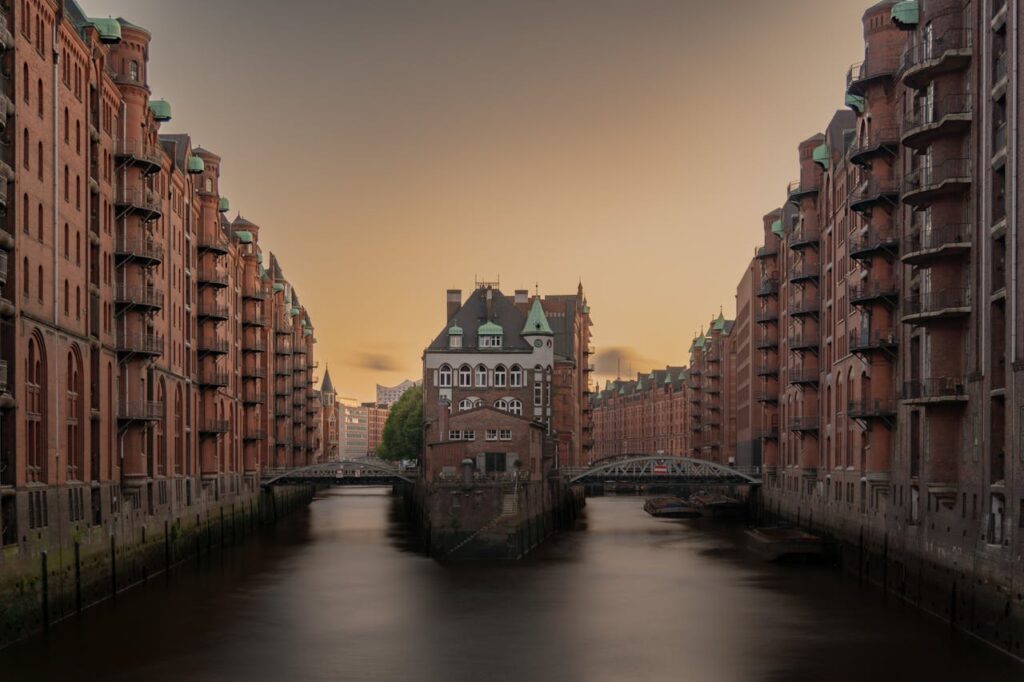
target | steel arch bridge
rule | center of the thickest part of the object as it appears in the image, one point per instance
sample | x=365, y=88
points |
x=664, y=468
x=328, y=471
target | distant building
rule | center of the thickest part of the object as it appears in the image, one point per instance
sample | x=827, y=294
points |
x=330, y=419
x=376, y=416
x=353, y=434
x=388, y=395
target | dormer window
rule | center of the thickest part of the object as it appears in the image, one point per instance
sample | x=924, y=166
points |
x=455, y=336
x=489, y=335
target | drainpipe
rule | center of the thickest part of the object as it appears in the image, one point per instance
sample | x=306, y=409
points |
x=56, y=215
x=1012, y=153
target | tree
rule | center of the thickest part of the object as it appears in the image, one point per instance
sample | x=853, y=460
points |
x=403, y=431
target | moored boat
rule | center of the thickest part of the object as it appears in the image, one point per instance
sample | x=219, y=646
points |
x=670, y=508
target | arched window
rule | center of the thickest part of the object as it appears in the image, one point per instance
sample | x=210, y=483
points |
x=160, y=432
x=25, y=146
x=67, y=126
x=24, y=81
x=470, y=403
x=516, y=377
x=66, y=297
x=481, y=376
x=78, y=192
x=39, y=283
x=501, y=404
x=35, y=411
x=78, y=302
x=444, y=376
x=500, y=376
x=39, y=159
x=39, y=91
x=78, y=247
x=39, y=223
x=465, y=376
x=515, y=407
x=78, y=137
x=73, y=418
x=67, y=184
x=133, y=70
x=67, y=242
x=25, y=214
x=25, y=278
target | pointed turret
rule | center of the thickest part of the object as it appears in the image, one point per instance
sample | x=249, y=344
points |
x=327, y=386
x=537, y=321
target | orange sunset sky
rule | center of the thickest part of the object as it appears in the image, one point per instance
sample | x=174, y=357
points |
x=391, y=150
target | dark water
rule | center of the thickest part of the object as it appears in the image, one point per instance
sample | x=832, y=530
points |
x=336, y=593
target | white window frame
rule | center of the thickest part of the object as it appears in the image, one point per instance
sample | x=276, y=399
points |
x=481, y=376
x=444, y=376
x=491, y=434
x=505, y=434
x=500, y=375
x=465, y=376
x=490, y=341
x=516, y=377
x=501, y=404
x=515, y=407
x=454, y=434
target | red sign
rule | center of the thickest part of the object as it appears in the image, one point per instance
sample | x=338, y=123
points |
x=661, y=470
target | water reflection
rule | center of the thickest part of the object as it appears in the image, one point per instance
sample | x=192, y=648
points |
x=338, y=592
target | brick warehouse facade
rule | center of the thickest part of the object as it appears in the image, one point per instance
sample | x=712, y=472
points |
x=153, y=358
x=891, y=396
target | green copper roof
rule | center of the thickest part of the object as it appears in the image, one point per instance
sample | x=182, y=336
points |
x=224, y=206
x=244, y=236
x=906, y=14
x=308, y=331
x=109, y=30
x=295, y=311
x=161, y=109
x=278, y=287
x=455, y=330
x=640, y=384
x=855, y=102
x=490, y=329
x=586, y=310
x=821, y=156
x=537, y=321
x=777, y=229
x=196, y=165
x=719, y=323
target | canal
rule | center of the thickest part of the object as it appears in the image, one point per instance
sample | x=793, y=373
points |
x=338, y=592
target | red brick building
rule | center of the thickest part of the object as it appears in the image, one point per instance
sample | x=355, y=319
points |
x=153, y=358
x=644, y=416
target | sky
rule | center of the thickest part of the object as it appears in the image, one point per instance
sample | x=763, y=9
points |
x=391, y=150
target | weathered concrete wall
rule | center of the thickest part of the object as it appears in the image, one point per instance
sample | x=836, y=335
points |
x=48, y=581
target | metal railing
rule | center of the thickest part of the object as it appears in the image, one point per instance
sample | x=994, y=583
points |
x=137, y=198
x=804, y=340
x=138, y=247
x=872, y=67
x=213, y=311
x=142, y=296
x=873, y=290
x=937, y=238
x=950, y=105
x=870, y=407
x=141, y=410
x=804, y=423
x=139, y=342
x=935, y=387
x=934, y=302
x=926, y=49
x=868, y=339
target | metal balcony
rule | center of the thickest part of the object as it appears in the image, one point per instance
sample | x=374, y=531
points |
x=804, y=341
x=767, y=433
x=139, y=154
x=282, y=327
x=254, y=398
x=875, y=68
x=870, y=242
x=216, y=244
x=254, y=293
x=253, y=320
x=801, y=189
x=926, y=58
x=802, y=424
x=920, y=308
x=804, y=377
x=874, y=192
x=254, y=373
x=139, y=249
x=764, y=316
x=935, y=390
x=767, y=397
x=254, y=346
x=769, y=287
x=137, y=201
x=140, y=344
x=804, y=272
x=872, y=292
x=254, y=434
x=282, y=369
x=768, y=369
x=804, y=308
x=877, y=142
x=871, y=408
x=140, y=411
x=213, y=347
x=871, y=340
x=766, y=252
x=212, y=277
x=804, y=237
x=211, y=311
x=149, y=298
x=766, y=342
x=924, y=245
x=949, y=115
x=212, y=378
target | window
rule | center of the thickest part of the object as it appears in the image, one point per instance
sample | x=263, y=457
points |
x=516, y=377
x=494, y=462
x=481, y=376
x=444, y=376
x=24, y=145
x=465, y=376
x=490, y=341
x=501, y=405
x=470, y=403
x=538, y=394
x=133, y=70
x=469, y=435
x=500, y=374
x=515, y=407
x=39, y=100
x=491, y=434
x=505, y=434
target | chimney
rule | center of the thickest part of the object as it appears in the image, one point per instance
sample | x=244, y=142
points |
x=453, y=302
x=522, y=296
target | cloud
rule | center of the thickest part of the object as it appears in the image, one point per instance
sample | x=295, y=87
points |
x=378, y=362
x=622, y=361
